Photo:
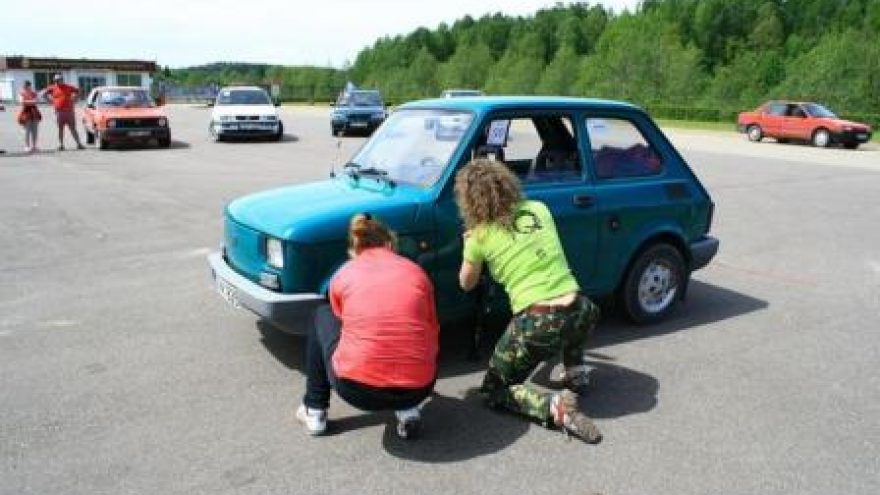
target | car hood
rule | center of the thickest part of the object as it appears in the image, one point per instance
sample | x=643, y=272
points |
x=122, y=112
x=244, y=110
x=848, y=123
x=320, y=211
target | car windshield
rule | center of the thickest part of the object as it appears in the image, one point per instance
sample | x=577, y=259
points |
x=817, y=110
x=243, y=97
x=413, y=146
x=364, y=99
x=124, y=98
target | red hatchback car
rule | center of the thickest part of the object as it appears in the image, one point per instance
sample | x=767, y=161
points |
x=802, y=121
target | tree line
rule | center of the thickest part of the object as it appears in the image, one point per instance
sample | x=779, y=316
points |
x=714, y=56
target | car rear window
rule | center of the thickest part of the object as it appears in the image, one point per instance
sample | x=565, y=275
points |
x=620, y=150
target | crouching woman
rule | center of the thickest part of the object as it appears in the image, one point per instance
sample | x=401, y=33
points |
x=376, y=342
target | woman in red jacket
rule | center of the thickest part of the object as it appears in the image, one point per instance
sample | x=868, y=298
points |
x=376, y=343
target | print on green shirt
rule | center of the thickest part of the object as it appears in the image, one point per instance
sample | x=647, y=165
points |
x=527, y=260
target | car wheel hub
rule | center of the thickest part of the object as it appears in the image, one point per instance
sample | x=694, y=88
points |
x=657, y=287
x=821, y=138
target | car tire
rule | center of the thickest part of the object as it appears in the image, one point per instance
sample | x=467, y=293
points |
x=100, y=142
x=821, y=138
x=90, y=136
x=850, y=146
x=755, y=133
x=337, y=132
x=165, y=142
x=654, y=282
x=280, y=134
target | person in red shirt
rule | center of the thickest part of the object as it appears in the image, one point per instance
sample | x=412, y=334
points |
x=376, y=342
x=63, y=97
x=29, y=117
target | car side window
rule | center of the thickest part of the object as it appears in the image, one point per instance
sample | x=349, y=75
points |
x=538, y=149
x=620, y=149
x=777, y=109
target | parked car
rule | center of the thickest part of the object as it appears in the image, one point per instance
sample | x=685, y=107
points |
x=460, y=93
x=359, y=110
x=633, y=218
x=245, y=111
x=124, y=114
x=802, y=121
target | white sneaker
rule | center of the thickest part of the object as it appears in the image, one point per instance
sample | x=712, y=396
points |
x=409, y=423
x=315, y=420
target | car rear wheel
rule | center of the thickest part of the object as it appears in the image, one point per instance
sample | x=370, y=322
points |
x=821, y=138
x=755, y=133
x=654, y=283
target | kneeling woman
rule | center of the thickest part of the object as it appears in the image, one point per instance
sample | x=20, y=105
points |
x=376, y=343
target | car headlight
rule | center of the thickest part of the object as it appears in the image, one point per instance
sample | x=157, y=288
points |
x=162, y=122
x=379, y=115
x=111, y=123
x=225, y=118
x=274, y=252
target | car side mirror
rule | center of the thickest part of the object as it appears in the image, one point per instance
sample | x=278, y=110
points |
x=277, y=103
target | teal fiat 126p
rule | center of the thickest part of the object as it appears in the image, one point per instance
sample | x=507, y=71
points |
x=633, y=218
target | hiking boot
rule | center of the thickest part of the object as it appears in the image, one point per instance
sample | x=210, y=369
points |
x=568, y=416
x=409, y=423
x=315, y=420
x=576, y=379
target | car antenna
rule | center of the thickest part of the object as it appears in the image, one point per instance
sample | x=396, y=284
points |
x=336, y=160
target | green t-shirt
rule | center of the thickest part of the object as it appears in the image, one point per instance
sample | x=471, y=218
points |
x=528, y=261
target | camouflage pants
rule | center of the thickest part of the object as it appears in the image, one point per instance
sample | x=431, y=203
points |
x=529, y=340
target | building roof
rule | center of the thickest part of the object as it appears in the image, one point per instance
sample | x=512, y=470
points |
x=55, y=64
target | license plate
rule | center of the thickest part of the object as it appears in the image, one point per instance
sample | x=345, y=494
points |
x=358, y=124
x=227, y=292
x=138, y=133
x=863, y=137
x=251, y=127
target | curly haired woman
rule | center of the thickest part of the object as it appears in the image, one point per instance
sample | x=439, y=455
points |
x=517, y=240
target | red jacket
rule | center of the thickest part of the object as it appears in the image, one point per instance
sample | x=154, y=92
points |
x=389, y=322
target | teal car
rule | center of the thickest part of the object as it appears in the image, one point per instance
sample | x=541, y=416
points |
x=633, y=218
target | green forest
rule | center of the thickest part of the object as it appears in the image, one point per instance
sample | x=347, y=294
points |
x=693, y=59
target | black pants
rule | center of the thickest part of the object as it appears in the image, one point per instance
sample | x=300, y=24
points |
x=321, y=343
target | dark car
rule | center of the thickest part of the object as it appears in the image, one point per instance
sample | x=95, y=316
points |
x=633, y=218
x=359, y=110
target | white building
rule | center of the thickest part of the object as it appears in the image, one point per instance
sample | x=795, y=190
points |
x=82, y=73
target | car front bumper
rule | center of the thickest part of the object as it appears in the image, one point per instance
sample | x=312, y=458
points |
x=247, y=128
x=851, y=136
x=289, y=312
x=139, y=134
x=702, y=251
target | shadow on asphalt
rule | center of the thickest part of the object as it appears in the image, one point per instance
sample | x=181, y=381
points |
x=151, y=146
x=461, y=429
x=285, y=138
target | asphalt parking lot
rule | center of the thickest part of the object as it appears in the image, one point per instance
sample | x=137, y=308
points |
x=122, y=372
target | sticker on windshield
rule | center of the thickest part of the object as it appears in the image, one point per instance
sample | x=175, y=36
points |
x=498, y=133
x=597, y=126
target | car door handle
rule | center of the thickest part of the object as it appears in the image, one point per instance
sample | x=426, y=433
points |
x=583, y=200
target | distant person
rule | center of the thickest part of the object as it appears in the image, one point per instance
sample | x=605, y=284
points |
x=2, y=109
x=29, y=117
x=376, y=343
x=63, y=98
x=516, y=240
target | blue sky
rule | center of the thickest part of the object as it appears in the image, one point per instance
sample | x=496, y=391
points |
x=190, y=32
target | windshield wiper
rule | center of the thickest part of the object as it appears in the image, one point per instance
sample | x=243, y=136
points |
x=356, y=170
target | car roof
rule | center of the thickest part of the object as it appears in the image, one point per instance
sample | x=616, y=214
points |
x=233, y=88
x=117, y=88
x=482, y=104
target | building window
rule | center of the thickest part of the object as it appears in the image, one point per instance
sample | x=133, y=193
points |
x=128, y=80
x=42, y=80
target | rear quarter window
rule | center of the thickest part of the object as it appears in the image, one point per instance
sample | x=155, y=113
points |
x=619, y=149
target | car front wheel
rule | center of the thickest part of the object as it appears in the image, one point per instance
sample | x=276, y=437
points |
x=215, y=136
x=755, y=133
x=821, y=138
x=654, y=283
